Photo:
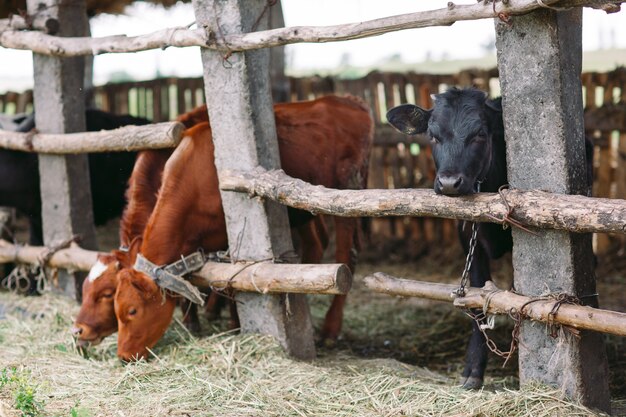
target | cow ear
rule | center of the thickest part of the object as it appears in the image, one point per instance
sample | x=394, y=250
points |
x=495, y=105
x=409, y=119
x=134, y=248
x=139, y=281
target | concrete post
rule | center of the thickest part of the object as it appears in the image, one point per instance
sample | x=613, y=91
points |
x=240, y=108
x=280, y=83
x=60, y=108
x=539, y=57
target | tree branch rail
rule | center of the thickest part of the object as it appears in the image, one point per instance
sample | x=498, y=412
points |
x=209, y=37
x=127, y=138
x=261, y=277
x=503, y=302
x=536, y=209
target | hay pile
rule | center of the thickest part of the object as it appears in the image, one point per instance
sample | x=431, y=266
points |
x=225, y=374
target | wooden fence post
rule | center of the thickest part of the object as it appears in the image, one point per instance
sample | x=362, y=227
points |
x=539, y=57
x=60, y=108
x=239, y=102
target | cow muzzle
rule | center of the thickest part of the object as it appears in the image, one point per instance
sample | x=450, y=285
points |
x=449, y=184
x=84, y=336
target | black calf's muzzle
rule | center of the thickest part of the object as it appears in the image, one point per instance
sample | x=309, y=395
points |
x=449, y=184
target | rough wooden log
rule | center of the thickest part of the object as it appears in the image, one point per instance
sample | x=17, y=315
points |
x=263, y=277
x=182, y=36
x=73, y=258
x=531, y=208
x=502, y=302
x=267, y=278
x=127, y=138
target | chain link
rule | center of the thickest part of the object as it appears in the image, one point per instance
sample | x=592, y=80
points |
x=468, y=261
x=470, y=255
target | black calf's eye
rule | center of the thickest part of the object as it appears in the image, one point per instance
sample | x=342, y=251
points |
x=434, y=140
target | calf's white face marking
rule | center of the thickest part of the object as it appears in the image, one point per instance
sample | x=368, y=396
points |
x=96, y=271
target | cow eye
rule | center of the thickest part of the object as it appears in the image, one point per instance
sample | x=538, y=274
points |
x=434, y=140
x=107, y=295
x=132, y=311
x=479, y=139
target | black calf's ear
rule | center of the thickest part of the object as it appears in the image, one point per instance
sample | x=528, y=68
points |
x=495, y=105
x=409, y=119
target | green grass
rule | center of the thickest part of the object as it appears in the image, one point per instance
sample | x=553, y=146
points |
x=16, y=382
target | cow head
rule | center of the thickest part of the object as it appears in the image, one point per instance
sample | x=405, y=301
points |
x=143, y=314
x=96, y=318
x=459, y=126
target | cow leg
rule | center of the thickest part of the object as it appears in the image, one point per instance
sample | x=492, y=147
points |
x=6, y=227
x=311, y=234
x=345, y=229
x=233, y=321
x=190, y=315
x=214, y=305
x=216, y=302
x=476, y=354
x=36, y=230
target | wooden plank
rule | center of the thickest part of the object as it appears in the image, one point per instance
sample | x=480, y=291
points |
x=603, y=185
x=381, y=228
x=620, y=178
x=543, y=121
x=59, y=108
x=244, y=132
x=604, y=170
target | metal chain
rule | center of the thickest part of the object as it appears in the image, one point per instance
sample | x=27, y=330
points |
x=470, y=255
x=17, y=281
x=468, y=261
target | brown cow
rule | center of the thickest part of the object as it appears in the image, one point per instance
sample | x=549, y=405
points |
x=96, y=318
x=324, y=142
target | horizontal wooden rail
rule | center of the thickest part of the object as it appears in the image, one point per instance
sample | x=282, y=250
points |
x=127, y=138
x=210, y=38
x=73, y=258
x=541, y=209
x=262, y=277
x=266, y=277
x=503, y=302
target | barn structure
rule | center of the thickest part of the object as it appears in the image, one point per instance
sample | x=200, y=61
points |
x=542, y=102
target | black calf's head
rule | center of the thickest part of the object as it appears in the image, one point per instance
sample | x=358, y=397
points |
x=459, y=126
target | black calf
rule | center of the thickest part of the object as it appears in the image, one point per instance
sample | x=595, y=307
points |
x=108, y=172
x=468, y=147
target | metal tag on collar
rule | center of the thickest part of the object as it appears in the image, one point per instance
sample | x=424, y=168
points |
x=167, y=280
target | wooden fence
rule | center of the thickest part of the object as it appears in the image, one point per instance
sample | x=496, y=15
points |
x=397, y=161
